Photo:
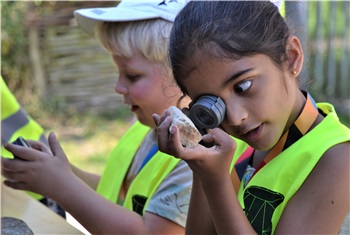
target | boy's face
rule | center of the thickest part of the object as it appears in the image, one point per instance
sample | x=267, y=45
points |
x=146, y=87
x=261, y=100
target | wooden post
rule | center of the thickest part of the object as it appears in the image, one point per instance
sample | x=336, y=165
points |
x=38, y=70
x=296, y=14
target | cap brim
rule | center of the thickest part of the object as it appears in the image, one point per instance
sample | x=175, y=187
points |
x=89, y=17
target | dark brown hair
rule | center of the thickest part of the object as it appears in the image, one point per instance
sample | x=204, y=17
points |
x=226, y=30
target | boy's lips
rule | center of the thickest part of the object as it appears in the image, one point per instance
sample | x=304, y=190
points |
x=134, y=108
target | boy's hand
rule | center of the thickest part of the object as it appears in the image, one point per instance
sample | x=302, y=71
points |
x=43, y=171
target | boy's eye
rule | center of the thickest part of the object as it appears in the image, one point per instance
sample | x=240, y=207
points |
x=243, y=86
x=132, y=77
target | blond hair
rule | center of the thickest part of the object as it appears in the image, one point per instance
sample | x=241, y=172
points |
x=148, y=37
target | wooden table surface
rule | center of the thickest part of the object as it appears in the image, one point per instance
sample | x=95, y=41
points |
x=39, y=218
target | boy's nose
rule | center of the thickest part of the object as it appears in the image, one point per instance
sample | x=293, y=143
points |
x=120, y=88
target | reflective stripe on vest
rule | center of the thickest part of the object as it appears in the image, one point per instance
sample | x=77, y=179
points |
x=12, y=123
x=268, y=192
x=147, y=180
x=20, y=124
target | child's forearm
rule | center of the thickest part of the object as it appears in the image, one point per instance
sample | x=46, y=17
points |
x=97, y=214
x=227, y=213
x=199, y=220
x=89, y=178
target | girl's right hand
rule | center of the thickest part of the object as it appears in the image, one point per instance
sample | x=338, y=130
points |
x=209, y=164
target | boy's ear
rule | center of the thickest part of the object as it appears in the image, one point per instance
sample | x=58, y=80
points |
x=295, y=55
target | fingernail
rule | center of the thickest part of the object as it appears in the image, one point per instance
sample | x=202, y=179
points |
x=53, y=134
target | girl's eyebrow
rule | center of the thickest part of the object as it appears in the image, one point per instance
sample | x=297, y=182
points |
x=235, y=76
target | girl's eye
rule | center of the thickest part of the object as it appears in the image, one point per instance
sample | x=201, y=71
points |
x=243, y=86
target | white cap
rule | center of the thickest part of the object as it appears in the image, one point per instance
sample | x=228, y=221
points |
x=278, y=3
x=129, y=10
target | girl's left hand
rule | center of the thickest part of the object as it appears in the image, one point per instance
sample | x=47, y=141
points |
x=207, y=163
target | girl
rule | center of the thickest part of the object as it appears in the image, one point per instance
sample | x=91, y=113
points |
x=293, y=177
x=148, y=191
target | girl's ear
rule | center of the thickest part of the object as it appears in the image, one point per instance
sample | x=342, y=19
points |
x=295, y=56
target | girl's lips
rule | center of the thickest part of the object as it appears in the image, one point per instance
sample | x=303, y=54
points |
x=253, y=135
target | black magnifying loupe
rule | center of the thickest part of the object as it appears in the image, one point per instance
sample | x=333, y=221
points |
x=207, y=112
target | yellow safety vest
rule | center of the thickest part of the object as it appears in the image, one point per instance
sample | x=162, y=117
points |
x=16, y=122
x=147, y=180
x=269, y=191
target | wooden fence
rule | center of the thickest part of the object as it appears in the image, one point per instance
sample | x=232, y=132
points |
x=324, y=27
x=70, y=67
x=80, y=70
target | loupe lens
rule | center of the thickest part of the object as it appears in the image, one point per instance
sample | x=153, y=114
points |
x=208, y=112
x=204, y=117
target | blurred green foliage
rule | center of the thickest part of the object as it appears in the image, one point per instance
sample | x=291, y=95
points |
x=323, y=9
x=14, y=60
